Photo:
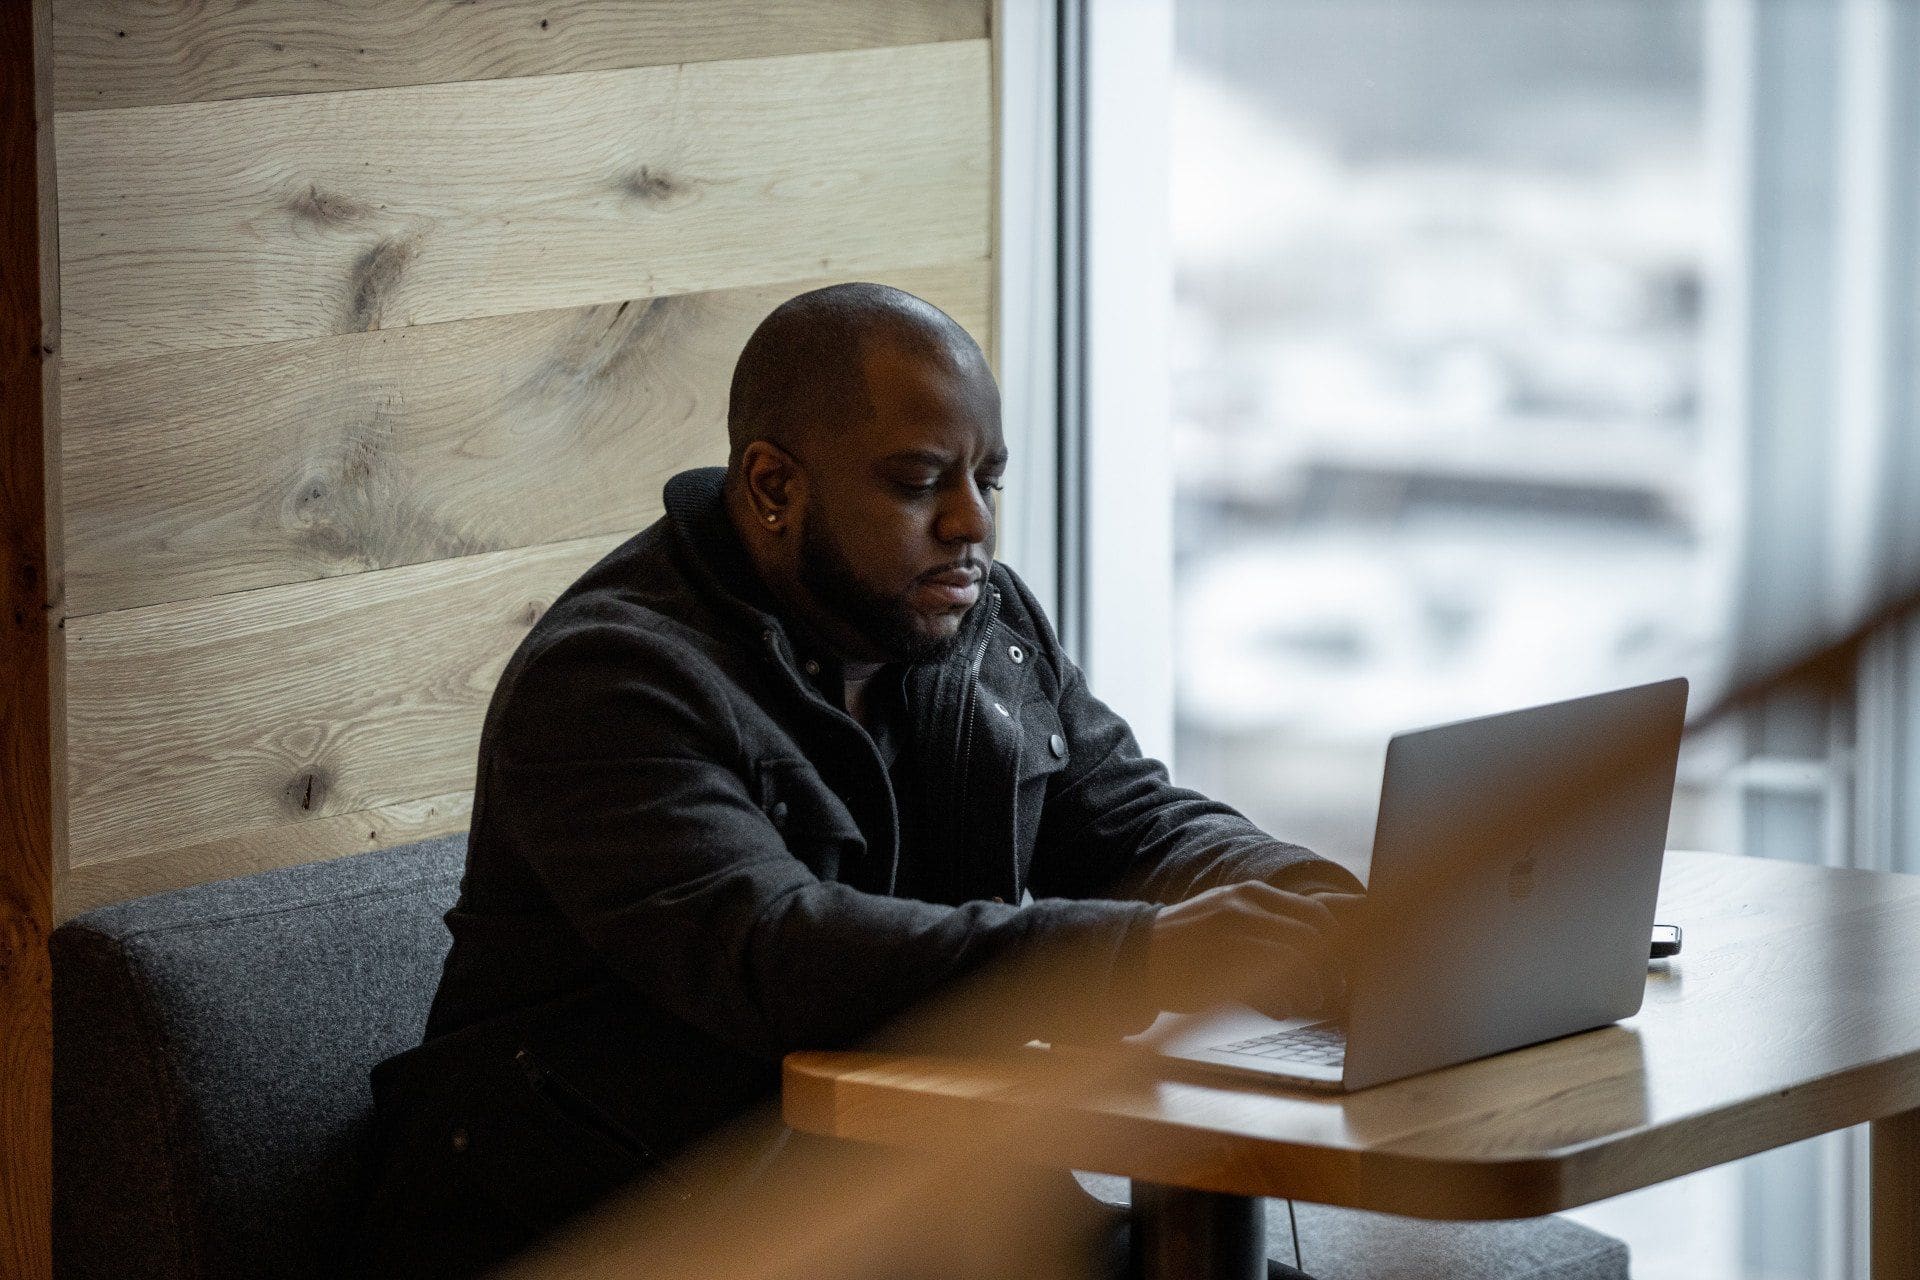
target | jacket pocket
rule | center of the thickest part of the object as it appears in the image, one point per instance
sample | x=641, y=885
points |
x=1033, y=777
x=811, y=820
x=588, y=1116
x=1044, y=749
x=542, y=1151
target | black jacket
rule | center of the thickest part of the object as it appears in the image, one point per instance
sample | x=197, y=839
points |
x=683, y=853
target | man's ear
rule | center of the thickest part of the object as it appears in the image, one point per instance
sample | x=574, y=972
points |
x=776, y=485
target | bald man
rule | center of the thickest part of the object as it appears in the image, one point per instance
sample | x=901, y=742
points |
x=784, y=764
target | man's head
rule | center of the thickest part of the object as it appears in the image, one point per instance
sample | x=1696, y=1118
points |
x=865, y=447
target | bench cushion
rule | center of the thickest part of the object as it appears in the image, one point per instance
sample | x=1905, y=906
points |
x=211, y=1049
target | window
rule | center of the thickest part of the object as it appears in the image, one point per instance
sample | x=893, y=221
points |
x=1508, y=351
x=1436, y=367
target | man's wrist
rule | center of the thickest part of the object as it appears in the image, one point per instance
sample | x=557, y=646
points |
x=1136, y=1003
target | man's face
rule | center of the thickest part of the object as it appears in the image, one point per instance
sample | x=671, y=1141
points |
x=898, y=529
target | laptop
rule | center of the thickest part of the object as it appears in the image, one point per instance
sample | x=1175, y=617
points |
x=1515, y=867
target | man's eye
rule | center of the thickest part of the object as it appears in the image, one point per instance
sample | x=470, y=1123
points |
x=995, y=485
x=917, y=490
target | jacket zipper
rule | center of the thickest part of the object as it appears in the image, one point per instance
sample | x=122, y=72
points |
x=971, y=707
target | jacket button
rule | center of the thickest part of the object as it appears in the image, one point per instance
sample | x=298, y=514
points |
x=811, y=667
x=1057, y=745
x=779, y=814
x=999, y=899
x=1015, y=652
x=459, y=1140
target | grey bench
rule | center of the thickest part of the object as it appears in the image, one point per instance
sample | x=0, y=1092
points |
x=211, y=1105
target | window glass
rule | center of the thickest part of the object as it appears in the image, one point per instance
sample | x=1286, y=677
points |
x=1524, y=350
x=1437, y=365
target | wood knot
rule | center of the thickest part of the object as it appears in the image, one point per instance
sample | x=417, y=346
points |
x=23, y=949
x=307, y=791
x=531, y=614
x=375, y=274
x=649, y=186
x=323, y=208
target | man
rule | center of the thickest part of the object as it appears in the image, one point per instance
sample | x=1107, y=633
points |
x=777, y=769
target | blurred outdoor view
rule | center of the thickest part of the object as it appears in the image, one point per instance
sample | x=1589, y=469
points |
x=1441, y=276
x=1437, y=372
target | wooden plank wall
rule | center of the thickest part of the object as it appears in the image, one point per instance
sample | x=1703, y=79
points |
x=382, y=319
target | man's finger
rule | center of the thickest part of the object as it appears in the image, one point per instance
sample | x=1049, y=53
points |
x=1321, y=938
x=1326, y=949
x=1349, y=913
x=1292, y=985
x=1268, y=975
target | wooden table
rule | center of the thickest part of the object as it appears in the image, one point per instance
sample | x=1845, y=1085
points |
x=1794, y=1010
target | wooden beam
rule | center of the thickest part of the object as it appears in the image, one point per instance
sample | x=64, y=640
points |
x=230, y=224
x=241, y=715
x=28, y=320
x=133, y=53
x=202, y=474
x=162, y=870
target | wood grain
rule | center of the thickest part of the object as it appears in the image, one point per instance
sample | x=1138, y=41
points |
x=237, y=223
x=334, y=836
x=1794, y=1011
x=129, y=53
x=248, y=716
x=29, y=552
x=190, y=476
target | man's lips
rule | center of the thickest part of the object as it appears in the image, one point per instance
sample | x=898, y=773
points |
x=959, y=587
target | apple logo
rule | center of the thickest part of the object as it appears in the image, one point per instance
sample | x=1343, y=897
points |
x=1520, y=878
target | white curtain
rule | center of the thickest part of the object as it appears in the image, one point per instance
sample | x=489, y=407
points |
x=1816, y=109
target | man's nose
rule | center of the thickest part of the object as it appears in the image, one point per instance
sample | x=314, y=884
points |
x=966, y=518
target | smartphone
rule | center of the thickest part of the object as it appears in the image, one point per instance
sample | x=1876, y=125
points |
x=1666, y=941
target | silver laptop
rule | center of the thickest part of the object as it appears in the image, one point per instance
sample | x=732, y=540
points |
x=1515, y=867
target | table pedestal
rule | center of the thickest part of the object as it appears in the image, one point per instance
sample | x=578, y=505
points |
x=1181, y=1234
x=1894, y=1184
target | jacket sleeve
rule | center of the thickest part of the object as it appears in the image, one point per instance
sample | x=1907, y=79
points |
x=1115, y=825
x=629, y=793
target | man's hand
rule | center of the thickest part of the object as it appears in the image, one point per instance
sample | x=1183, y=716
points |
x=1286, y=954
x=1348, y=917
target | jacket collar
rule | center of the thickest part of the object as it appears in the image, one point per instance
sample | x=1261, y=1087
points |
x=711, y=549
x=723, y=572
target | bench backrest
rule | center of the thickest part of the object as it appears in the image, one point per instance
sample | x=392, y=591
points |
x=211, y=1049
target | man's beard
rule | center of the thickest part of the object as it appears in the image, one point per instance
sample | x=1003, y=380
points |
x=885, y=622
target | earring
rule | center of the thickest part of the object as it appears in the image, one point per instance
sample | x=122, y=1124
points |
x=773, y=517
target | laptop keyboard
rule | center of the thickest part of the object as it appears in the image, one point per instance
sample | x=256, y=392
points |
x=1323, y=1044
